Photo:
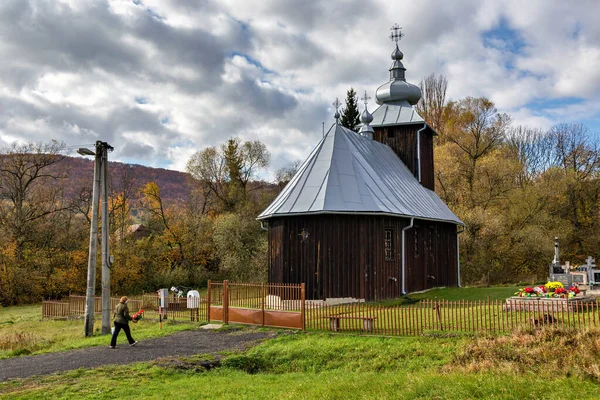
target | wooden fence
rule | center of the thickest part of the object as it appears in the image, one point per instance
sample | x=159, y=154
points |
x=74, y=307
x=442, y=316
x=284, y=306
x=55, y=310
x=265, y=304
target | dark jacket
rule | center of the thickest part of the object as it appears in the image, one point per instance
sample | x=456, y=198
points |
x=122, y=313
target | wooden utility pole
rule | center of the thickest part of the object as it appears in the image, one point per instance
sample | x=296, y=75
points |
x=106, y=309
x=100, y=181
x=91, y=276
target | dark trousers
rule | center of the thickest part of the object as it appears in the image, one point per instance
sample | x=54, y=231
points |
x=118, y=327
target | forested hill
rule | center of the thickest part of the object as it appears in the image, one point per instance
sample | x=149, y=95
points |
x=80, y=174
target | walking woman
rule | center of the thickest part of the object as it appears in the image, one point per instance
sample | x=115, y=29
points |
x=122, y=319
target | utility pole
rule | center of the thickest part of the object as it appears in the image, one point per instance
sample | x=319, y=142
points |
x=100, y=183
x=91, y=276
x=105, y=242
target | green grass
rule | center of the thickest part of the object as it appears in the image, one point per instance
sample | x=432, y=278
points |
x=23, y=332
x=454, y=294
x=311, y=366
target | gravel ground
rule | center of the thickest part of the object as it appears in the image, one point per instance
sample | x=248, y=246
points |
x=186, y=343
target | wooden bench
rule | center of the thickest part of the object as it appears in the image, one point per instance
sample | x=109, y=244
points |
x=334, y=321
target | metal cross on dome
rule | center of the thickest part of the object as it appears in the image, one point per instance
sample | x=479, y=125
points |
x=396, y=33
x=365, y=98
x=336, y=104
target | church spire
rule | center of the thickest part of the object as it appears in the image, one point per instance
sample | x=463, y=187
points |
x=397, y=69
x=397, y=89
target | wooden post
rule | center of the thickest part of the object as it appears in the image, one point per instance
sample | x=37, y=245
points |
x=263, y=304
x=208, y=302
x=302, y=305
x=439, y=314
x=226, y=302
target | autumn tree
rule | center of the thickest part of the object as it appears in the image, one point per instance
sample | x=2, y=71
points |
x=432, y=105
x=123, y=189
x=29, y=188
x=475, y=131
x=475, y=175
x=153, y=203
x=578, y=159
x=227, y=170
x=286, y=173
x=533, y=147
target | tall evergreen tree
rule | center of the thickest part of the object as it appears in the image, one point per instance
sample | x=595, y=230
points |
x=350, y=115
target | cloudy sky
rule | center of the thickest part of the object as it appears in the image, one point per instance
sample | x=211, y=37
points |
x=161, y=79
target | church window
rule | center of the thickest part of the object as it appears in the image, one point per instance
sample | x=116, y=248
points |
x=389, y=245
x=416, y=240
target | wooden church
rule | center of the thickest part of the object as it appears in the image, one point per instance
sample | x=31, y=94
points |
x=360, y=218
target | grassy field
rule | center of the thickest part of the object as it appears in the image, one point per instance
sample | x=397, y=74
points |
x=308, y=366
x=22, y=332
x=549, y=363
x=453, y=294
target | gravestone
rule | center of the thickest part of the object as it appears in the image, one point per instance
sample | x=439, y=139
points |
x=592, y=271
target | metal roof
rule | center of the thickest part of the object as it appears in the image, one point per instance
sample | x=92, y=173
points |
x=396, y=113
x=348, y=173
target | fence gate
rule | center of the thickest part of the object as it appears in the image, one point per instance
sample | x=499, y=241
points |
x=265, y=304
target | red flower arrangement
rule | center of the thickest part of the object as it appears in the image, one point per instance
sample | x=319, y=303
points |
x=560, y=292
x=138, y=315
x=551, y=289
x=574, y=289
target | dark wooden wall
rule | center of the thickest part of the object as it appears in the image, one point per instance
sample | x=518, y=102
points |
x=344, y=255
x=403, y=140
x=431, y=258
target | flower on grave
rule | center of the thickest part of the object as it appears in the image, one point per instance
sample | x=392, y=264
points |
x=552, y=286
x=528, y=290
x=539, y=290
x=560, y=292
x=177, y=291
x=575, y=290
x=525, y=292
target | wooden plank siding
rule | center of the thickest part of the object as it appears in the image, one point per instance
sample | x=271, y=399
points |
x=403, y=140
x=344, y=255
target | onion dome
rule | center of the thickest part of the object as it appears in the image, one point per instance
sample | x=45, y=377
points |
x=397, y=89
x=366, y=118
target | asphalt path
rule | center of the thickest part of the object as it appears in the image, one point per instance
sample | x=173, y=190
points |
x=181, y=344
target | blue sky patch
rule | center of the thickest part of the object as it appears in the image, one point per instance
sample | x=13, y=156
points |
x=545, y=104
x=252, y=61
x=164, y=120
x=504, y=38
x=141, y=100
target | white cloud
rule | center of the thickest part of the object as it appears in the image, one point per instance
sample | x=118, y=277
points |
x=269, y=70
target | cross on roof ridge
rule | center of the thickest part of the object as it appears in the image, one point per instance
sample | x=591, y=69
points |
x=365, y=98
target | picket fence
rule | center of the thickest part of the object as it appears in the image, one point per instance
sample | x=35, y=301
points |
x=74, y=307
x=252, y=303
x=445, y=317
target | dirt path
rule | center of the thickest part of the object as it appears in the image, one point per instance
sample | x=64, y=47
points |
x=180, y=344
